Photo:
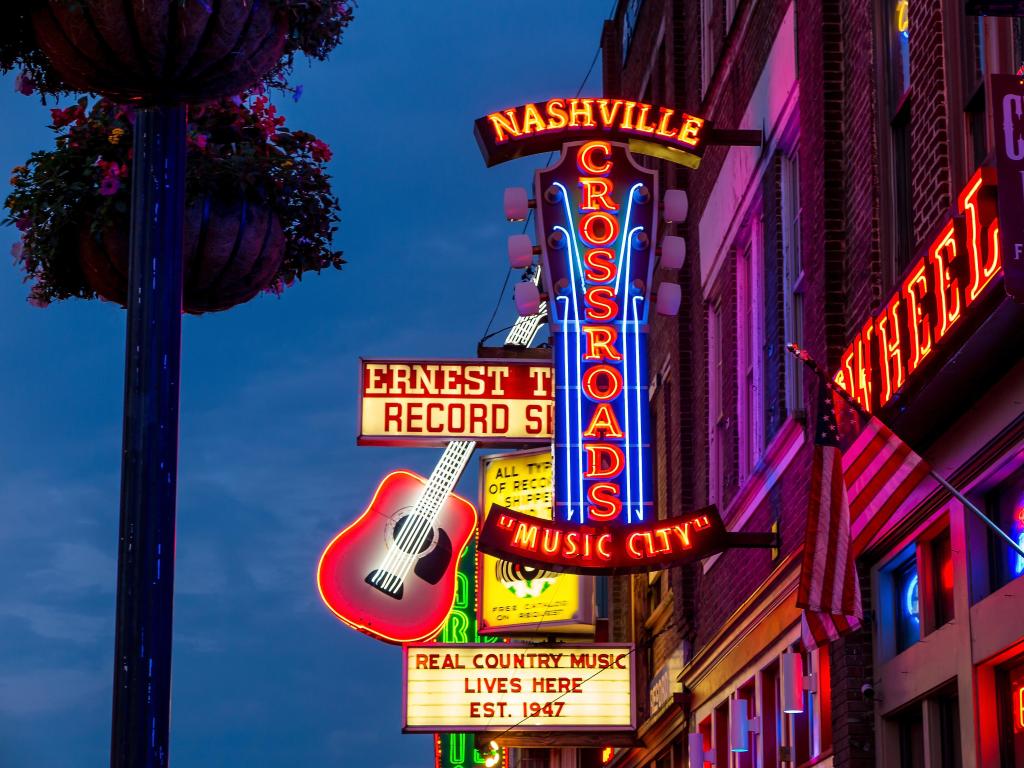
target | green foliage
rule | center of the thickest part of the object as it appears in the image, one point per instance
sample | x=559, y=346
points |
x=237, y=148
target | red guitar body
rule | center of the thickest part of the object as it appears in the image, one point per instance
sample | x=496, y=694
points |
x=391, y=573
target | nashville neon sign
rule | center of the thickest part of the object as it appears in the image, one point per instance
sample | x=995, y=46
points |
x=660, y=131
x=934, y=299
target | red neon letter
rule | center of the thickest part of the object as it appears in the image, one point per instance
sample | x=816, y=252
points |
x=600, y=263
x=604, y=501
x=586, y=163
x=602, y=382
x=595, y=194
x=601, y=298
x=599, y=228
x=947, y=289
x=600, y=341
x=915, y=288
x=890, y=353
x=982, y=225
x=596, y=465
x=604, y=423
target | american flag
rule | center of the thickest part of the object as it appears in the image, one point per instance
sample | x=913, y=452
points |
x=829, y=591
x=853, y=493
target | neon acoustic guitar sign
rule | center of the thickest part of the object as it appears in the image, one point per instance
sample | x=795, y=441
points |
x=596, y=213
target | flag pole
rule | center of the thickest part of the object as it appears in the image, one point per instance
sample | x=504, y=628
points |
x=810, y=362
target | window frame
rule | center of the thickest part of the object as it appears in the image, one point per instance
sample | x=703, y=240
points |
x=750, y=350
x=793, y=275
x=716, y=404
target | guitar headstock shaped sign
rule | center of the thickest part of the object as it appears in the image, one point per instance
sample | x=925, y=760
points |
x=597, y=212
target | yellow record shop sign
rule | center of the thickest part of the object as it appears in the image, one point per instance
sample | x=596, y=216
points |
x=517, y=599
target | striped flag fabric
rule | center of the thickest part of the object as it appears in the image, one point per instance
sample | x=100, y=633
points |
x=881, y=472
x=829, y=592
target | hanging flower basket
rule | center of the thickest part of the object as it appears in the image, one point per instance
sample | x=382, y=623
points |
x=259, y=213
x=168, y=51
x=233, y=250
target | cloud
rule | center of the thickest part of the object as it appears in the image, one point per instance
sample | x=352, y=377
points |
x=36, y=691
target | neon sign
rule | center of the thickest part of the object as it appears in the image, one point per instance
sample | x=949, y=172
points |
x=430, y=402
x=649, y=129
x=596, y=215
x=938, y=293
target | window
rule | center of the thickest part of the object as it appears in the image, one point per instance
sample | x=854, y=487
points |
x=716, y=404
x=629, y=21
x=771, y=720
x=906, y=605
x=976, y=66
x=1011, y=715
x=750, y=347
x=793, y=279
x=713, y=24
x=940, y=558
x=1005, y=505
x=533, y=758
x=910, y=724
x=947, y=704
x=897, y=112
x=722, y=730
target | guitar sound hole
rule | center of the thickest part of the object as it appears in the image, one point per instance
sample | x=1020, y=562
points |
x=413, y=534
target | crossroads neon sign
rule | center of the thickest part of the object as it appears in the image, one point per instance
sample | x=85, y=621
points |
x=597, y=212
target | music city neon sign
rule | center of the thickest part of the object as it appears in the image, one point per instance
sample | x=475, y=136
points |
x=596, y=213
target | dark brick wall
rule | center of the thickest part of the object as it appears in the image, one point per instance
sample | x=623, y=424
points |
x=844, y=253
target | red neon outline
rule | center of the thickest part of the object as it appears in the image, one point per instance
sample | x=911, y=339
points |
x=606, y=395
x=945, y=284
x=586, y=225
x=583, y=163
x=456, y=557
x=611, y=426
x=600, y=297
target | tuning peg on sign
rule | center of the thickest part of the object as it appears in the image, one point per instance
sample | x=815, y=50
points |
x=517, y=204
x=527, y=298
x=673, y=252
x=676, y=205
x=520, y=251
x=670, y=296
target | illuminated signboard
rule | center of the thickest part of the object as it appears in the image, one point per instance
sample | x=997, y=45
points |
x=592, y=549
x=515, y=597
x=532, y=128
x=938, y=293
x=484, y=688
x=458, y=750
x=596, y=215
x=1008, y=105
x=430, y=402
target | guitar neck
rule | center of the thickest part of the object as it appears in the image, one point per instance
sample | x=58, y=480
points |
x=457, y=453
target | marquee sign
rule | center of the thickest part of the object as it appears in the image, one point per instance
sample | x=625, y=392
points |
x=1008, y=105
x=482, y=688
x=515, y=597
x=939, y=292
x=431, y=402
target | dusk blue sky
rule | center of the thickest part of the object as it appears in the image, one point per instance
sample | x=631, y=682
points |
x=269, y=469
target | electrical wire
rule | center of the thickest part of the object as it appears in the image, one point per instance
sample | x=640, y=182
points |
x=529, y=216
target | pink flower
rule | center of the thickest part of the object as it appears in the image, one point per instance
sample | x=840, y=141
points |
x=321, y=151
x=24, y=84
x=200, y=141
x=109, y=185
x=37, y=297
x=18, y=251
x=23, y=223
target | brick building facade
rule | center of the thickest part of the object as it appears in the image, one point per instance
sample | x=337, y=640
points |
x=875, y=116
